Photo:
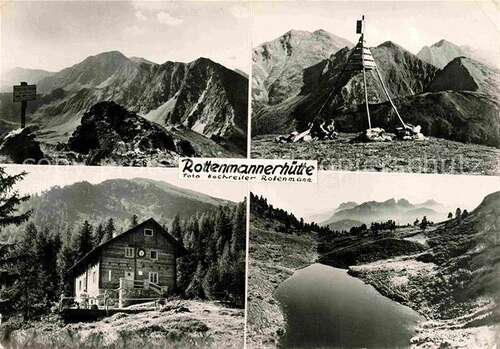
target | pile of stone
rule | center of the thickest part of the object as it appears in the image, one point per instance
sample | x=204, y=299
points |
x=376, y=134
x=410, y=133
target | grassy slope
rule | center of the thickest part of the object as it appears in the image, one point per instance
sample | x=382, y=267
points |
x=181, y=324
x=430, y=156
x=442, y=284
x=273, y=257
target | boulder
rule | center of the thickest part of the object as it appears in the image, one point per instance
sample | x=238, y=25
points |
x=375, y=134
x=107, y=128
x=410, y=133
x=185, y=148
x=21, y=146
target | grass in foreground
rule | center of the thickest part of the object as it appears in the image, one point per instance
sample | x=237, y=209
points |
x=431, y=156
x=183, y=325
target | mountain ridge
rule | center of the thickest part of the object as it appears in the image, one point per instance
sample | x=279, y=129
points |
x=65, y=208
x=402, y=211
x=204, y=96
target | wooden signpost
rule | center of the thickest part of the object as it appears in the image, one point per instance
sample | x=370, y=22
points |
x=24, y=93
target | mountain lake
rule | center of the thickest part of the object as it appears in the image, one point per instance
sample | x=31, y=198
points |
x=326, y=308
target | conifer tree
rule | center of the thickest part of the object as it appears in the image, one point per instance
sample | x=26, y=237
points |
x=10, y=200
x=134, y=221
x=238, y=239
x=65, y=260
x=109, y=230
x=99, y=235
x=176, y=230
x=84, y=240
x=26, y=292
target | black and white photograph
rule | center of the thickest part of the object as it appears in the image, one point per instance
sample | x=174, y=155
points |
x=408, y=86
x=133, y=83
x=366, y=260
x=241, y=174
x=109, y=257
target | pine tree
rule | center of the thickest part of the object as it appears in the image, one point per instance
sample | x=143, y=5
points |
x=424, y=223
x=109, y=230
x=65, y=260
x=458, y=213
x=46, y=248
x=26, y=293
x=450, y=215
x=238, y=238
x=134, y=221
x=176, y=230
x=98, y=235
x=84, y=240
x=10, y=200
x=222, y=229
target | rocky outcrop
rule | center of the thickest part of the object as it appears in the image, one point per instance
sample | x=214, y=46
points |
x=108, y=128
x=21, y=146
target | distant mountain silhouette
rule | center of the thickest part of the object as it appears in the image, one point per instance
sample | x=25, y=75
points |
x=401, y=211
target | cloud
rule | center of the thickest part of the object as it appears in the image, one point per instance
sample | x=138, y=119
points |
x=133, y=30
x=140, y=16
x=168, y=19
x=239, y=11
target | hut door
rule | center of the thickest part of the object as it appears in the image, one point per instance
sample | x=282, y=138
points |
x=129, y=275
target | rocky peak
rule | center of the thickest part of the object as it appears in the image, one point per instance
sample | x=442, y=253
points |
x=443, y=42
x=108, y=127
x=466, y=74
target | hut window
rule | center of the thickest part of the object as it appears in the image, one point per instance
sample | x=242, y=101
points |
x=109, y=275
x=129, y=252
x=153, y=277
x=148, y=232
x=79, y=284
x=93, y=277
x=153, y=254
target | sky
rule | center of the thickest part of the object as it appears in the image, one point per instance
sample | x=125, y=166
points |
x=333, y=188
x=40, y=178
x=411, y=24
x=53, y=35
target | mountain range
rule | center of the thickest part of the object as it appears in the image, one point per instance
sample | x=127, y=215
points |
x=465, y=109
x=350, y=214
x=62, y=208
x=201, y=96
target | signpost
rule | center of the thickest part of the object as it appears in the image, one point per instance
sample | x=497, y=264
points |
x=24, y=93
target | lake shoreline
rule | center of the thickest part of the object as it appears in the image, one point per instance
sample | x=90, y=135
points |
x=404, y=278
x=273, y=258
